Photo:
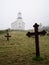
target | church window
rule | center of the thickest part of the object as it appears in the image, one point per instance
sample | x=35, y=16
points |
x=19, y=26
x=19, y=23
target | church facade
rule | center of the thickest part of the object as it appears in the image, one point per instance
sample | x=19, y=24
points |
x=18, y=24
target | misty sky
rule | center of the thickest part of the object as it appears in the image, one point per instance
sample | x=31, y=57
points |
x=32, y=11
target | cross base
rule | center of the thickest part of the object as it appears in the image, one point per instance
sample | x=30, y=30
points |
x=37, y=58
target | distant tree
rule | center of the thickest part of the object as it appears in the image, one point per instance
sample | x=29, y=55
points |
x=46, y=28
x=40, y=26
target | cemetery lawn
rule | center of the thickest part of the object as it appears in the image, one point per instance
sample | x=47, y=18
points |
x=20, y=50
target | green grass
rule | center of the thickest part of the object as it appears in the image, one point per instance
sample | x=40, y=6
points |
x=20, y=49
x=2, y=31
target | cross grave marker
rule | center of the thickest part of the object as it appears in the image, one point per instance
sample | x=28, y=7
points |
x=36, y=34
x=7, y=36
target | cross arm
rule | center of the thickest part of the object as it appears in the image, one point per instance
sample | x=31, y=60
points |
x=30, y=34
x=42, y=32
x=7, y=36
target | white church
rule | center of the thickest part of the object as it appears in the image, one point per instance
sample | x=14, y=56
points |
x=18, y=24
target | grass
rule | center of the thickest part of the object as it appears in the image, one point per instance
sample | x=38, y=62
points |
x=20, y=49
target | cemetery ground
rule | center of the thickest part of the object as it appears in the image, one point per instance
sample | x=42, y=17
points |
x=20, y=50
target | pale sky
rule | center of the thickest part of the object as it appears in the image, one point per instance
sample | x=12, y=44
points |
x=32, y=11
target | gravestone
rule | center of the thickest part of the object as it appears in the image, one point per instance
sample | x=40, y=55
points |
x=36, y=34
x=7, y=35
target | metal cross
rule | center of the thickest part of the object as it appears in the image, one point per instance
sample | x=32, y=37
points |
x=7, y=36
x=36, y=34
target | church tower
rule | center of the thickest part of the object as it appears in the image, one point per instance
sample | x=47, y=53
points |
x=18, y=24
x=19, y=15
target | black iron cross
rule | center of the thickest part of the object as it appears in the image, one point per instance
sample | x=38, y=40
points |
x=7, y=36
x=36, y=33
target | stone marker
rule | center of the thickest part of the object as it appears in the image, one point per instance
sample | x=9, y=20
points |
x=36, y=34
x=7, y=36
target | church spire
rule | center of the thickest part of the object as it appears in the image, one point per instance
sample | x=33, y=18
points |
x=19, y=15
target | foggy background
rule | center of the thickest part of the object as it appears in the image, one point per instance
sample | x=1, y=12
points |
x=32, y=11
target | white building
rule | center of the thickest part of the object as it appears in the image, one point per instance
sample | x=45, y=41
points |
x=18, y=24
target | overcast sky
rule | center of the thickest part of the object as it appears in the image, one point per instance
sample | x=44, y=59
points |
x=32, y=11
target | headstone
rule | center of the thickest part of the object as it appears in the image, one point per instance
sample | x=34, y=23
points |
x=7, y=36
x=36, y=34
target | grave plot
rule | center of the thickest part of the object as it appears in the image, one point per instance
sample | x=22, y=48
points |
x=21, y=49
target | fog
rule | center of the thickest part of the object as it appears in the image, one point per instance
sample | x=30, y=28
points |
x=33, y=11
